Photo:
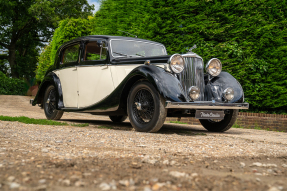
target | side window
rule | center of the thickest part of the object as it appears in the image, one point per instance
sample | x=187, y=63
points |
x=71, y=54
x=95, y=52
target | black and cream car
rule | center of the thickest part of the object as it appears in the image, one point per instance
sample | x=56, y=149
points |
x=129, y=77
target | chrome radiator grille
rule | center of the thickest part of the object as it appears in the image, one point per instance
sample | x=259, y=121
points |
x=192, y=75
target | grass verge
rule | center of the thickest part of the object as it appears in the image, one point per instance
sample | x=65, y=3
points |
x=178, y=122
x=104, y=127
x=28, y=120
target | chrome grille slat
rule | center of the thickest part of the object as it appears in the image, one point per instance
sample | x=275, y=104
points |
x=193, y=75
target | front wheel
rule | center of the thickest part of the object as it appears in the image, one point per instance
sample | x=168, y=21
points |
x=50, y=104
x=222, y=125
x=146, y=108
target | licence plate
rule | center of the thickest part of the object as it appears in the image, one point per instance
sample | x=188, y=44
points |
x=209, y=114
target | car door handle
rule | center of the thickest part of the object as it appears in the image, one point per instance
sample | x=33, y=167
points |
x=105, y=66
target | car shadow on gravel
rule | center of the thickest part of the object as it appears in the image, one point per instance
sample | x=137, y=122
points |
x=186, y=130
x=168, y=128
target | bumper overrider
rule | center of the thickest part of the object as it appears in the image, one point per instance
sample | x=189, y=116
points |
x=205, y=105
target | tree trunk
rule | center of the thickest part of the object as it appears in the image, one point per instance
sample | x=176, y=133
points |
x=12, y=60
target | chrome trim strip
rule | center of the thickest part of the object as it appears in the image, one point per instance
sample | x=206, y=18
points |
x=206, y=105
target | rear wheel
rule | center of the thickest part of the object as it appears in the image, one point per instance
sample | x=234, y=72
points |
x=50, y=104
x=220, y=125
x=118, y=118
x=146, y=108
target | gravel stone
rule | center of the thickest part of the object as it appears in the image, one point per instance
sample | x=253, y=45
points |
x=44, y=150
x=11, y=178
x=66, y=182
x=104, y=186
x=273, y=189
x=42, y=181
x=257, y=164
x=14, y=185
x=177, y=174
x=242, y=164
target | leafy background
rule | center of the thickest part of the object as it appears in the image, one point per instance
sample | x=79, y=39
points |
x=248, y=36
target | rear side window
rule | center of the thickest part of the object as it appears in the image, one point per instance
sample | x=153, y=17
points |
x=71, y=54
x=95, y=52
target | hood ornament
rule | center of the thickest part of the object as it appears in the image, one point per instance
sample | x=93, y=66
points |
x=190, y=50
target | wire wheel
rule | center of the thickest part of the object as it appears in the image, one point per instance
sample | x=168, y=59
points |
x=51, y=102
x=143, y=106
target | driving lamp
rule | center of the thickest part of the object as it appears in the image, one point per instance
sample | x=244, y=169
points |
x=194, y=92
x=176, y=63
x=214, y=67
x=228, y=94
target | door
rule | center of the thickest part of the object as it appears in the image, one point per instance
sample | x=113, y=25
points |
x=68, y=75
x=94, y=74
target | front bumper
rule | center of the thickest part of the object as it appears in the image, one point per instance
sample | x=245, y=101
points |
x=205, y=105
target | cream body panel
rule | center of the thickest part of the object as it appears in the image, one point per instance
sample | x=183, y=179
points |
x=94, y=84
x=119, y=72
x=68, y=78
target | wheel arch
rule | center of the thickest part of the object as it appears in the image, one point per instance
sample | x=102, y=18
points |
x=50, y=79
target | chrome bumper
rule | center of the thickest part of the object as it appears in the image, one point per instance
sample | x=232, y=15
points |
x=205, y=105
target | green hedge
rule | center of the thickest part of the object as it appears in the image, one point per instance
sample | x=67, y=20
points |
x=12, y=86
x=248, y=36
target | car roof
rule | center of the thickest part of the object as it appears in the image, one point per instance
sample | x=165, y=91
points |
x=108, y=37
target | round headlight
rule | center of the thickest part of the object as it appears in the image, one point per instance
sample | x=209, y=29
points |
x=176, y=63
x=194, y=92
x=228, y=94
x=214, y=67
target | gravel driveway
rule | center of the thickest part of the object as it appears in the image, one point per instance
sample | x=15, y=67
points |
x=109, y=156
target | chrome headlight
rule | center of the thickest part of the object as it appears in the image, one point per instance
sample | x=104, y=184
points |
x=214, y=67
x=194, y=92
x=176, y=63
x=228, y=94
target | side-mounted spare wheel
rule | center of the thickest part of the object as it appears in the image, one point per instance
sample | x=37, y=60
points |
x=50, y=104
x=221, y=125
x=146, y=108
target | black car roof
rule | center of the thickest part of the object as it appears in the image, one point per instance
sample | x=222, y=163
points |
x=108, y=37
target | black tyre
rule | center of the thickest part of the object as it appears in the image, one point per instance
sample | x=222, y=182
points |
x=146, y=108
x=222, y=125
x=50, y=104
x=118, y=118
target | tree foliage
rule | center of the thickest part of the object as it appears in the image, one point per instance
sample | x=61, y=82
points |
x=68, y=29
x=11, y=86
x=249, y=37
x=25, y=24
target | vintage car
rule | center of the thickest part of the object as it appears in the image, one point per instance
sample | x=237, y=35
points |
x=129, y=77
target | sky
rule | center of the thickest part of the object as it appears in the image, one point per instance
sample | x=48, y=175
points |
x=96, y=3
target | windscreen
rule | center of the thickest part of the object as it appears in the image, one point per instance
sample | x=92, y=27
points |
x=132, y=48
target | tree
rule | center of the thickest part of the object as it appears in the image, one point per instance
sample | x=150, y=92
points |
x=26, y=24
x=68, y=29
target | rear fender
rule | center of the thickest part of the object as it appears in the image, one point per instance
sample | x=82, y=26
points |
x=50, y=79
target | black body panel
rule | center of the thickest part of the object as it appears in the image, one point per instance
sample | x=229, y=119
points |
x=215, y=87
x=50, y=79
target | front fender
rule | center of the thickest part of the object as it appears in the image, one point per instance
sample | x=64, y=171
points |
x=215, y=87
x=167, y=85
x=50, y=79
